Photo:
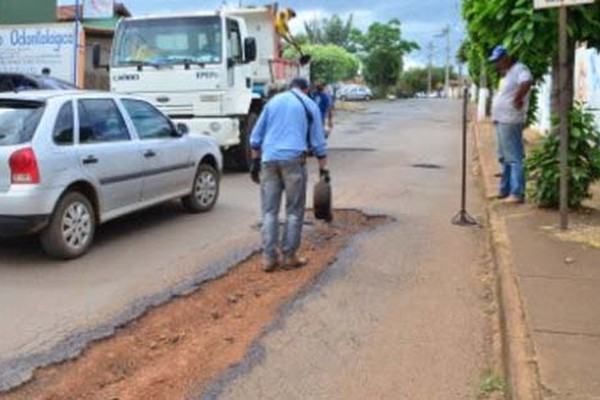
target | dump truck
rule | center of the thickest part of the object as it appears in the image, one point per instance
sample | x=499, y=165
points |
x=211, y=71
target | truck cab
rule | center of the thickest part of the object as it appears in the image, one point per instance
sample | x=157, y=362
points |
x=196, y=68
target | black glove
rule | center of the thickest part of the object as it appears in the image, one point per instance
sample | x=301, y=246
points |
x=255, y=170
x=324, y=175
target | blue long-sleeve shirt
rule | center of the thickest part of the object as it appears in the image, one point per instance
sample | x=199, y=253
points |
x=280, y=132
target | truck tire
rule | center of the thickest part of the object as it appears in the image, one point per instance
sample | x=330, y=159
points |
x=71, y=229
x=205, y=190
x=238, y=158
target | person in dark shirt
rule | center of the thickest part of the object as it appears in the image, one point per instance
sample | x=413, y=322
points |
x=325, y=103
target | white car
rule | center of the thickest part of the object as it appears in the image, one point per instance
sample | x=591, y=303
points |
x=70, y=160
x=354, y=92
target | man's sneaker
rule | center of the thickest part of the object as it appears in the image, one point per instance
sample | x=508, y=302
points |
x=294, y=261
x=270, y=266
x=513, y=200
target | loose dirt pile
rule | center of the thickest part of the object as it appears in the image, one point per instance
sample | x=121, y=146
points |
x=177, y=349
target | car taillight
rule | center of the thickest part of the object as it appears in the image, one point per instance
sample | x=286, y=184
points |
x=24, y=167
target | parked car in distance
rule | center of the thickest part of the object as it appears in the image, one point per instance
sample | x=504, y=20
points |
x=17, y=82
x=354, y=92
x=70, y=160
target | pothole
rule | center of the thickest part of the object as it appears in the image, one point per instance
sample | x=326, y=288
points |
x=177, y=349
x=427, y=166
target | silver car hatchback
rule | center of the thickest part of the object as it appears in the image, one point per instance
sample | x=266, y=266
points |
x=70, y=160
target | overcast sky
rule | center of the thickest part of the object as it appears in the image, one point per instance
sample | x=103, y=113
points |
x=422, y=20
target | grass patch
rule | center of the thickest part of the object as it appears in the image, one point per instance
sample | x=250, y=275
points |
x=491, y=383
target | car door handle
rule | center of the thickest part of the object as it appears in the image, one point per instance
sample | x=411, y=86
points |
x=150, y=154
x=90, y=160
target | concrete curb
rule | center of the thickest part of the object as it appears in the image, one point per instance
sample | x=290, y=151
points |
x=518, y=355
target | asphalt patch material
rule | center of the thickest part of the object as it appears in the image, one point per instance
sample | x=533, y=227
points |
x=177, y=349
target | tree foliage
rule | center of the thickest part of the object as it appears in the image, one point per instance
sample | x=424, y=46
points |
x=330, y=63
x=382, y=50
x=530, y=35
x=415, y=80
x=330, y=31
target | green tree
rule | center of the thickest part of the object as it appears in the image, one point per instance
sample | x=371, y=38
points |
x=330, y=31
x=415, y=80
x=382, y=50
x=329, y=63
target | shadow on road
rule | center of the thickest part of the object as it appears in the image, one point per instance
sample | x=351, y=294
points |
x=26, y=251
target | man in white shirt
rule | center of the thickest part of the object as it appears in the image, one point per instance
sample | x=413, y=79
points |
x=509, y=112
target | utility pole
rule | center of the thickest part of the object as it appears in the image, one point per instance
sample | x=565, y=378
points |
x=430, y=48
x=76, y=45
x=446, y=32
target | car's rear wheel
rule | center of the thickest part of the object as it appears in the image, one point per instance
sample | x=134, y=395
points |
x=71, y=229
x=205, y=190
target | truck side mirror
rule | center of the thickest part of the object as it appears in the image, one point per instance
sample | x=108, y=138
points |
x=250, y=49
x=96, y=55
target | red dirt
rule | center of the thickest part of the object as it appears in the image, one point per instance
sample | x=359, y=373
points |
x=178, y=348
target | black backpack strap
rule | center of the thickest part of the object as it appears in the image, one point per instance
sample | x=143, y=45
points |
x=309, y=118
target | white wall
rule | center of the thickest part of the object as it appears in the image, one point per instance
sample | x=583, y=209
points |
x=586, y=87
x=29, y=48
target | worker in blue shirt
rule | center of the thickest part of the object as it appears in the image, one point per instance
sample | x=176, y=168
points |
x=287, y=129
x=325, y=103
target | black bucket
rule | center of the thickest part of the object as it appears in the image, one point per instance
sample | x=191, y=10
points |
x=322, y=201
x=304, y=59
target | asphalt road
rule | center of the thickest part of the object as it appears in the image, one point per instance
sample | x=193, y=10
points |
x=50, y=309
x=398, y=316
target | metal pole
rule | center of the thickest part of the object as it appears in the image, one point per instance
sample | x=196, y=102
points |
x=564, y=118
x=430, y=58
x=447, y=83
x=463, y=202
x=463, y=218
x=76, y=41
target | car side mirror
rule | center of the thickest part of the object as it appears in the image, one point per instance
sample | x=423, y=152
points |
x=249, y=49
x=181, y=129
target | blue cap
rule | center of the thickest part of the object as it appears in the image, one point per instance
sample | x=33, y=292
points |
x=498, y=52
x=300, y=83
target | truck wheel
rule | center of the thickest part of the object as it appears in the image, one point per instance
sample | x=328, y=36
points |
x=71, y=229
x=205, y=190
x=239, y=157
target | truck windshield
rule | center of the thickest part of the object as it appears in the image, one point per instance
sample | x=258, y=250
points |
x=164, y=41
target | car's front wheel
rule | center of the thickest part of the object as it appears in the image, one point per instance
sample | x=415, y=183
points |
x=71, y=229
x=205, y=190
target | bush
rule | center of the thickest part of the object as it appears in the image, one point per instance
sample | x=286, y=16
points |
x=543, y=165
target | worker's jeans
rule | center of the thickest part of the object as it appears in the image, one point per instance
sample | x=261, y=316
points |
x=511, y=155
x=276, y=178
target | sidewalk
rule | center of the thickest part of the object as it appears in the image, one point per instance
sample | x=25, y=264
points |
x=550, y=289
